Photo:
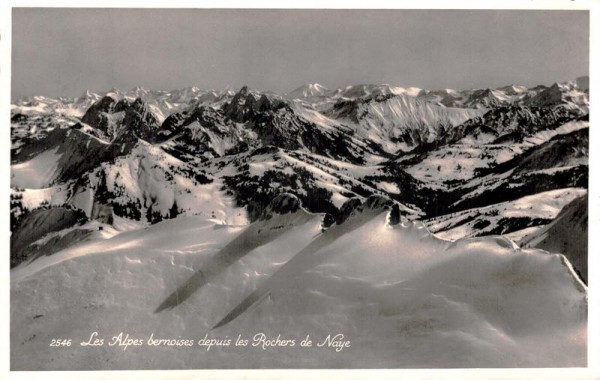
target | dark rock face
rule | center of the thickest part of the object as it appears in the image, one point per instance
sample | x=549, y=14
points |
x=282, y=204
x=209, y=119
x=171, y=125
x=55, y=244
x=347, y=209
x=355, y=205
x=139, y=119
x=81, y=153
x=286, y=130
x=18, y=118
x=376, y=202
x=34, y=146
x=96, y=115
x=246, y=106
x=395, y=217
x=38, y=223
x=135, y=118
x=242, y=107
x=204, y=132
x=328, y=221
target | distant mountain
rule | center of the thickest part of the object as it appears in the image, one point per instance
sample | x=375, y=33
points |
x=563, y=95
x=308, y=91
x=510, y=124
x=572, y=95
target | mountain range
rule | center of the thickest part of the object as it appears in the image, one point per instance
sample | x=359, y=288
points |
x=504, y=166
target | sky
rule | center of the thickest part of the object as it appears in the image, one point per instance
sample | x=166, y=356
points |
x=63, y=52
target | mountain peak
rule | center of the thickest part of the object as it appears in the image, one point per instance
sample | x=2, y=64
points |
x=512, y=89
x=87, y=96
x=308, y=90
x=243, y=91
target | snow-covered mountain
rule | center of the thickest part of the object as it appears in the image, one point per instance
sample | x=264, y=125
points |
x=571, y=95
x=372, y=200
x=398, y=122
x=162, y=103
x=308, y=91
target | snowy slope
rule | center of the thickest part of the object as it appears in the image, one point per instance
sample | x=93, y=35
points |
x=36, y=173
x=505, y=217
x=156, y=185
x=398, y=122
x=405, y=299
x=461, y=161
x=567, y=234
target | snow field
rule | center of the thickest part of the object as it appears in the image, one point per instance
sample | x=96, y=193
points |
x=403, y=297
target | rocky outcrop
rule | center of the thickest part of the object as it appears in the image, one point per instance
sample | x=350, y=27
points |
x=355, y=205
x=123, y=117
x=97, y=115
x=395, y=216
x=138, y=119
x=282, y=204
x=328, y=221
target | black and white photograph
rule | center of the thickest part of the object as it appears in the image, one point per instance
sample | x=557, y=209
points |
x=236, y=188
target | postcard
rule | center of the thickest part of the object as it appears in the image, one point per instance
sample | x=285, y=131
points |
x=298, y=189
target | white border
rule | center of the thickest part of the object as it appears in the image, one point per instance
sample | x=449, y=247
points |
x=593, y=370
